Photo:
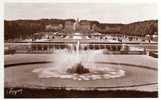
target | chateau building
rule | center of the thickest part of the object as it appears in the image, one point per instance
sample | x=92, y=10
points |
x=68, y=26
x=83, y=26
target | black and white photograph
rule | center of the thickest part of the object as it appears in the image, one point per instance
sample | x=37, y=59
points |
x=80, y=50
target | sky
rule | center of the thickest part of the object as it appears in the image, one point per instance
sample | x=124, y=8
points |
x=102, y=12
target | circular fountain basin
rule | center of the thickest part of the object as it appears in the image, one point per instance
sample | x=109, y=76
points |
x=26, y=76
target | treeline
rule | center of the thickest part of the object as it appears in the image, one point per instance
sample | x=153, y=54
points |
x=141, y=28
x=25, y=28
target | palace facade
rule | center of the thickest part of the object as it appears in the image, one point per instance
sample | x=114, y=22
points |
x=84, y=26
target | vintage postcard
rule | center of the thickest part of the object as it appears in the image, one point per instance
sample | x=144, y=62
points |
x=80, y=50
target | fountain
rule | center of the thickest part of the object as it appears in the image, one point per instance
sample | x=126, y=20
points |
x=78, y=65
x=78, y=69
